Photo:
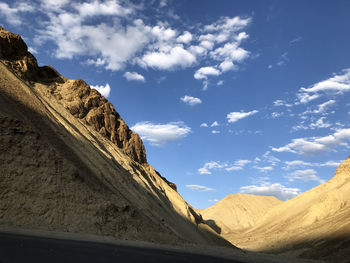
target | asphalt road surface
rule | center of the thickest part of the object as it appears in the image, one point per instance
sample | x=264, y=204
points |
x=19, y=248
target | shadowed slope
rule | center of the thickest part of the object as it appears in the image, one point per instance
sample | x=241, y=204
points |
x=69, y=163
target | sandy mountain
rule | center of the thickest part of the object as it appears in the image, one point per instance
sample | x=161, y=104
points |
x=314, y=224
x=238, y=211
x=69, y=162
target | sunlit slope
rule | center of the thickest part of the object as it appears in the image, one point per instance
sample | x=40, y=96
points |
x=314, y=224
x=68, y=161
x=239, y=211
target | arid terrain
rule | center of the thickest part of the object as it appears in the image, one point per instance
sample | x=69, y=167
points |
x=70, y=163
x=237, y=212
x=313, y=225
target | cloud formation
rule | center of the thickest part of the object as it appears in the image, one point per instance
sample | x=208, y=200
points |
x=134, y=76
x=192, y=101
x=159, y=134
x=338, y=84
x=236, y=116
x=305, y=175
x=271, y=189
x=197, y=187
x=103, y=90
x=316, y=145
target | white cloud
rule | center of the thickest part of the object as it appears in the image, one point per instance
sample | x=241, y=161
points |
x=238, y=165
x=213, y=200
x=97, y=8
x=112, y=46
x=192, y=101
x=204, y=72
x=316, y=145
x=263, y=169
x=271, y=189
x=305, y=175
x=338, y=84
x=322, y=107
x=204, y=125
x=169, y=60
x=295, y=40
x=53, y=4
x=185, y=38
x=159, y=134
x=12, y=15
x=276, y=115
x=236, y=116
x=281, y=103
x=227, y=24
x=306, y=97
x=283, y=59
x=199, y=187
x=33, y=50
x=290, y=165
x=230, y=52
x=318, y=124
x=214, y=124
x=134, y=76
x=220, y=82
x=210, y=166
x=267, y=157
x=215, y=132
x=104, y=90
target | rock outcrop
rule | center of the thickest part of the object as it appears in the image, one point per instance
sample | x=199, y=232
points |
x=76, y=95
x=69, y=162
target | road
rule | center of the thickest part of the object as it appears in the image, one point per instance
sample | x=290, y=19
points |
x=21, y=248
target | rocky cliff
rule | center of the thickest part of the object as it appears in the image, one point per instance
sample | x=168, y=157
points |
x=76, y=95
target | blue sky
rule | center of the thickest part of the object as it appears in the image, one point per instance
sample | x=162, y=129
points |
x=228, y=96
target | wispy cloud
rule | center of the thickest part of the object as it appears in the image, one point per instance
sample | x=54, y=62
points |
x=189, y=100
x=305, y=175
x=200, y=188
x=271, y=189
x=336, y=85
x=316, y=145
x=295, y=164
x=134, y=76
x=104, y=90
x=238, y=115
x=159, y=134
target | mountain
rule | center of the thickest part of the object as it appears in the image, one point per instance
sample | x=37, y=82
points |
x=313, y=225
x=238, y=211
x=69, y=162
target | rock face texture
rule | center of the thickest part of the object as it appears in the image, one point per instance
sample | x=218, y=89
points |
x=237, y=212
x=88, y=105
x=76, y=95
x=69, y=162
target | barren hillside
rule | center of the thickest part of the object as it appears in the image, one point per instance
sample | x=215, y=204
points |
x=238, y=211
x=314, y=224
x=70, y=163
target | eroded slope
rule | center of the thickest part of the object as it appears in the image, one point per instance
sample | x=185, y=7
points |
x=236, y=212
x=69, y=162
x=314, y=224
